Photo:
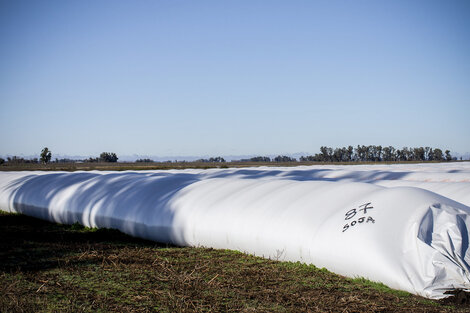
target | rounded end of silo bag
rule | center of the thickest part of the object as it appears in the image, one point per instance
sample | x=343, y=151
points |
x=438, y=260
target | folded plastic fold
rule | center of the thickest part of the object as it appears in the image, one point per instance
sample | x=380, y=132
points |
x=346, y=219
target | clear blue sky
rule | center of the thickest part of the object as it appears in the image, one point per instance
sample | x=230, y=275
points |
x=232, y=77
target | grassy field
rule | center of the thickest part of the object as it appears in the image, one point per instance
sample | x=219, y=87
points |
x=46, y=267
x=118, y=166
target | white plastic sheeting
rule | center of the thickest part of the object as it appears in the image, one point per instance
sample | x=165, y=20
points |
x=404, y=225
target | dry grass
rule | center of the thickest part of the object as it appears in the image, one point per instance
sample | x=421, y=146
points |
x=175, y=165
x=47, y=267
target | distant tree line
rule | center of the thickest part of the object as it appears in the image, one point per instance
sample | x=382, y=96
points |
x=19, y=160
x=284, y=158
x=374, y=153
x=257, y=159
x=212, y=160
x=265, y=159
x=46, y=155
x=361, y=153
x=64, y=160
x=104, y=157
x=144, y=161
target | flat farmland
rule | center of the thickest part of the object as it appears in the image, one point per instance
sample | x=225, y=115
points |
x=53, y=267
x=47, y=267
x=124, y=166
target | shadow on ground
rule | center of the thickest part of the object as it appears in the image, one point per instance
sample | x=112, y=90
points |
x=30, y=244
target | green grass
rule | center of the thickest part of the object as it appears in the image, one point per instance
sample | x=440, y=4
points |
x=47, y=267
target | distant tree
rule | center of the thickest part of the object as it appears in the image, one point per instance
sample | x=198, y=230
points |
x=419, y=154
x=64, y=160
x=350, y=153
x=260, y=159
x=429, y=154
x=393, y=153
x=310, y=158
x=361, y=153
x=437, y=154
x=388, y=153
x=19, y=160
x=448, y=156
x=374, y=153
x=144, y=161
x=15, y=160
x=406, y=155
x=284, y=158
x=341, y=154
x=427, y=151
x=217, y=160
x=46, y=155
x=368, y=154
x=212, y=160
x=326, y=154
x=108, y=157
x=378, y=153
x=337, y=155
x=2, y=161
